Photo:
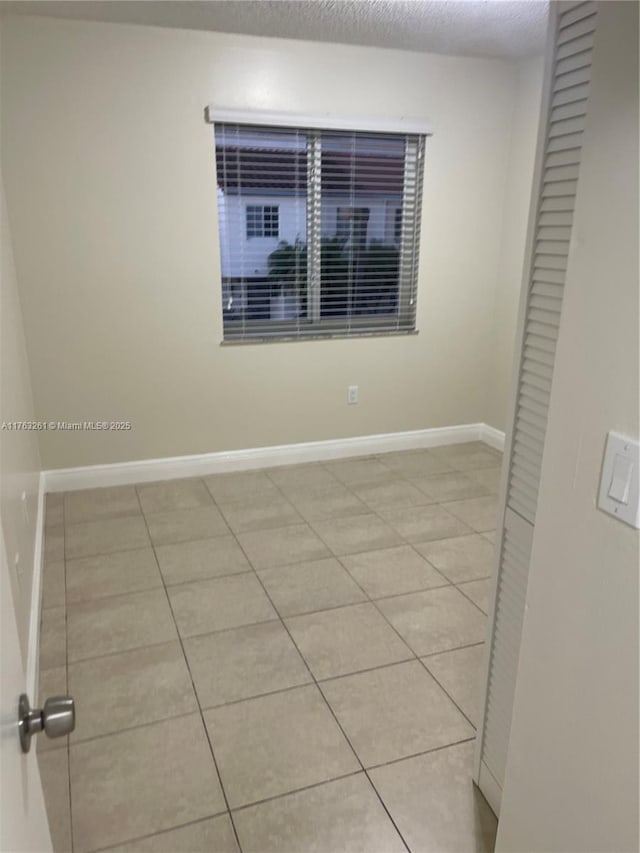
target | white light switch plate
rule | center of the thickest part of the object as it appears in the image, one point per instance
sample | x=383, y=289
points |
x=620, y=482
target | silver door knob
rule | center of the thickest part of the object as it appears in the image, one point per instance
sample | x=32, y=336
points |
x=56, y=719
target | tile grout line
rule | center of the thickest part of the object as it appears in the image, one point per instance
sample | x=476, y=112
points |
x=405, y=642
x=134, y=727
x=423, y=752
x=161, y=832
x=412, y=650
x=415, y=656
x=193, y=686
x=370, y=600
x=475, y=603
x=373, y=602
x=158, y=586
x=298, y=790
x=331, y=711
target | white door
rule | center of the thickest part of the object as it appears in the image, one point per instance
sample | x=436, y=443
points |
x=572, y=37
x=23, y=819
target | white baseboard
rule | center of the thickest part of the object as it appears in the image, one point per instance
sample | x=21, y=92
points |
x=493, y=437
x=147, y=470
x=33, y=649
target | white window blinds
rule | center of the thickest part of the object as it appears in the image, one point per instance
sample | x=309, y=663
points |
x=561, y=148
x=319, y=230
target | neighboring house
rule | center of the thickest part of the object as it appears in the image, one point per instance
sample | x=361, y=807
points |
x=262, y=197
x=252, y=223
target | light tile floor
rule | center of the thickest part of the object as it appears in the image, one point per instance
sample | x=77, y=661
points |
x=282, y=660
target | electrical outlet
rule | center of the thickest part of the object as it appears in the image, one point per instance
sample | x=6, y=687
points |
x=352, y=395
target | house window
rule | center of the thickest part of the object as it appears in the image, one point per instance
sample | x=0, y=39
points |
x=397, y=226
x=262, y=220
x=345, y=209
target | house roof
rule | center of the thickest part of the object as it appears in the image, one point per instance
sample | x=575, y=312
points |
x=281, y=170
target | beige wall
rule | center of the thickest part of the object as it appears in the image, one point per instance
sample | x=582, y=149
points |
x=572, y=774
x=111, y=192
x=519, y=177
x=19, y=456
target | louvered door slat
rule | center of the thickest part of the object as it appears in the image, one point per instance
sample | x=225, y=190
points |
x=550, y=240
x=580, y=28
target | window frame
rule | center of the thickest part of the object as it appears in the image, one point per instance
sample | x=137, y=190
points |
x=402, y=320
x=260, y=217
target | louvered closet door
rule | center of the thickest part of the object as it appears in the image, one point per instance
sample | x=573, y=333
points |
x=567, y=87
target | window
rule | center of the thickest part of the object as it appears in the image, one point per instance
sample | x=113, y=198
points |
x=344, y=207
x=262, y=220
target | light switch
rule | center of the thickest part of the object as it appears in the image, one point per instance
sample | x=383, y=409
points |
x=619, y=485
x=621, y=478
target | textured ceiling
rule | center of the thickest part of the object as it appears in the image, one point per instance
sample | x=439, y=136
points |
x=506, y=29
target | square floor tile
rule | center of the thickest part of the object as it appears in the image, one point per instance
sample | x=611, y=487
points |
x=487, y=477
x=436, y=620
x=173, y=494
x=213, y=605
x=479, y=592
x=313, y=475
x=112, y=574
x=282, y=546
x=237, y=486
x=415, y=463
x=422, y=523
x=394, y=493
x=481, y=514
x=356, y=533
x=259, y=513
x=54, y=775
x=130, y=689
x=116, y=624
x=276, y=744
x=392, y=571
x=201, y=559
x=244, y=662
x=206, y=836
x=463, y=558
x=348, y=639
x=53, y=638
x=142, y=781
x=450, y=487
x=97, y=504
x=104, y=537
x=320, y=504
x=435, y=804
x=51, y=682
x=354, y=472
x=53, y=583
x=344, y=816
x=305, y=587
x=460, y=673
x=181, y=525
x=394, y=712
